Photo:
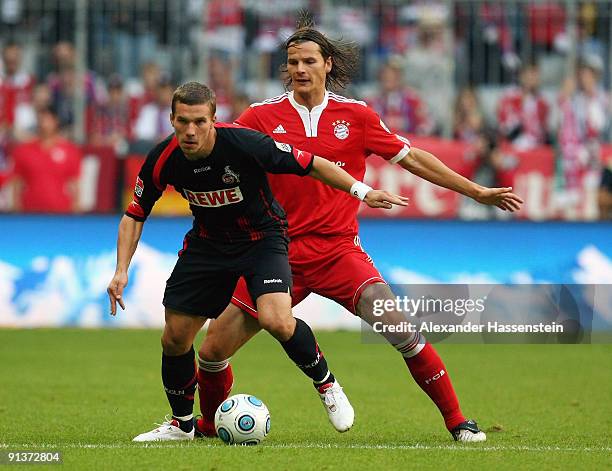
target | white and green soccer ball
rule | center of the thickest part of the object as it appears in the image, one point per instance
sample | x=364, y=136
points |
x=242, y=420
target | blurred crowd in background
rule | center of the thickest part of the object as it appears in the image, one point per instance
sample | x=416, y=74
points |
x=492, y=75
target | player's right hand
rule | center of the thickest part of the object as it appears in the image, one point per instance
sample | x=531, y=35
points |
x=115, y=291
x=384, y=199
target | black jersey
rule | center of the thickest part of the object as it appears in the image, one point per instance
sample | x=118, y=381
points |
x=228, y=191
x=606, y=178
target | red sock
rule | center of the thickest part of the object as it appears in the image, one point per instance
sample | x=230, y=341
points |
x=214, y=388
x=429, y=372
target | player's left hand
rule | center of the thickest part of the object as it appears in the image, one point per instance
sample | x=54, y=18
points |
x=384, y=199
x=503, y=198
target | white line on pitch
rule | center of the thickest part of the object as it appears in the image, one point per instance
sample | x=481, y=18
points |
x=322, y=446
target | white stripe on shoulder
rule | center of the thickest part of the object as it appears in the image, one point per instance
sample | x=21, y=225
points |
x=342, y=99
x=269, y=101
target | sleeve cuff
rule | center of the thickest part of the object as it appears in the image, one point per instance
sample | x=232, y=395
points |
x=400, y=155
x=135, y=211
x=134, y=217
x=308, y=168
x=304, y=159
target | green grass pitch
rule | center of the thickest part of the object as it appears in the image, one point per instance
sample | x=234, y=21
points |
x=88, y=392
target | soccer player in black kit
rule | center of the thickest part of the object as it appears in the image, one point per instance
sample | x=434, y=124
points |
x=239, y=230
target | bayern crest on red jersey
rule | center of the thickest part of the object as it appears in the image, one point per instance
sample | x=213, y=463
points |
x=341, y=129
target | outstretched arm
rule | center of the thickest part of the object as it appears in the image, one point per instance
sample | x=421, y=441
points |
x=332, y=175
x=427, y=166
x=127, y=241
x=278, y=157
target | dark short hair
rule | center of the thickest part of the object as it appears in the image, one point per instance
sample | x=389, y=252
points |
x=194, y=93
x=52, y=109
x=529, y=64
x=10, y=44
x=344, y=54
x=115, y=81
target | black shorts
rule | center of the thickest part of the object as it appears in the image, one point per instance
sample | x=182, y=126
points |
x=204, y=279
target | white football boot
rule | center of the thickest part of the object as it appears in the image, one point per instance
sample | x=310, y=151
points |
x=169, y=430
x=468, y=431
x=337, y=406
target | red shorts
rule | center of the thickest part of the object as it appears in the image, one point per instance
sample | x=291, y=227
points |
x=334, y=267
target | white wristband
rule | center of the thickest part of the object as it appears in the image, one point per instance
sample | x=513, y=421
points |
x=359, y=190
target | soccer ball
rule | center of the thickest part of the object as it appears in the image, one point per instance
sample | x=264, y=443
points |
x=242, y=420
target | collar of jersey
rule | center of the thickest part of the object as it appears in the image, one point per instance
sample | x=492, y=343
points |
x=310, y=118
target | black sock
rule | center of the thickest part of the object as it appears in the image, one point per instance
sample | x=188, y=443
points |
x=185, y=425
x=179, y=378
x=303, y=349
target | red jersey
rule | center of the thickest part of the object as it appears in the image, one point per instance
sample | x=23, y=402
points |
x=14, y=91
x=340, y=129
x=529, y=113
x=46, y=173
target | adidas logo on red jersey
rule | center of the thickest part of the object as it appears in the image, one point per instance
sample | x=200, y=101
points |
x=279, y=130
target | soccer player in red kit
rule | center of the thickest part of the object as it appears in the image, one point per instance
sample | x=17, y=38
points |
x=325, y=254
